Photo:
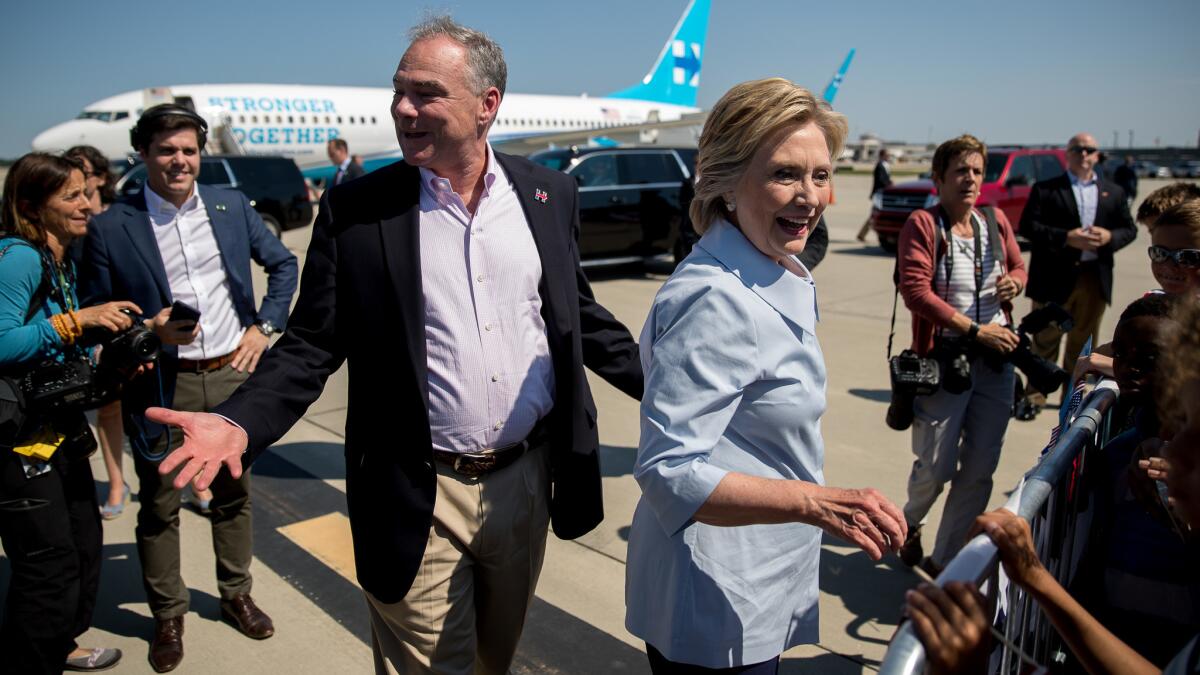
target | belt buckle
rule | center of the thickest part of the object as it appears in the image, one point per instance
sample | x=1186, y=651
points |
x=474, y=467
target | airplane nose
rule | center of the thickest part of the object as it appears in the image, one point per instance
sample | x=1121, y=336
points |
x=55, y=139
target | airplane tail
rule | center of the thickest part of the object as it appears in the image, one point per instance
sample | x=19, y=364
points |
x=836, y=83
x=675, y=76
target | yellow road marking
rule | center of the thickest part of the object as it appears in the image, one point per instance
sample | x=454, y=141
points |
x=327, y=538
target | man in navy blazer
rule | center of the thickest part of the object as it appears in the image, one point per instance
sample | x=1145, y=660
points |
x=450, y=284
x=180, y=242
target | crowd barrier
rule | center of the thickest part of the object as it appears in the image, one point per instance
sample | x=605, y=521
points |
x=1050, y=498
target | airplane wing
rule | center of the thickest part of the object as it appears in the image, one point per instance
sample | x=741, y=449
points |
x=646, y=133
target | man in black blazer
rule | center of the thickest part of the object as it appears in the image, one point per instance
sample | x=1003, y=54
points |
x=391, y=256
x=1075, y=222
x=345, y=166
x=881, y=179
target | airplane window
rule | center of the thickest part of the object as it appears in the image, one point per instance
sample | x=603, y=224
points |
x=279, y=119
x=121, y=115
x=241, y=119
x=95, y=115
x=302, y=119
x=254, y=119
x=290, y=119
x=372, y=119
x=327, y=120
x=339, y=119
x=362, y=120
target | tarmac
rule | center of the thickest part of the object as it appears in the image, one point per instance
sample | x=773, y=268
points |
x=303, y=570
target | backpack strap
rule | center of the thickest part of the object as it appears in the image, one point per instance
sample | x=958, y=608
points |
x=993, y=228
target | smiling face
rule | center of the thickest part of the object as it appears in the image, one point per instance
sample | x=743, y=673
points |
x=783, y=191
x=1136, y=345
x=440, y=122
x=65, y=215
x=1174, y=278
x=172, y=163
x=959, y=187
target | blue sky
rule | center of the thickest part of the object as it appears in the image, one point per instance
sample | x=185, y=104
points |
x=1016, y=72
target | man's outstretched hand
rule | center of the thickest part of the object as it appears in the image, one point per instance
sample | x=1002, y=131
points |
x=208, y=442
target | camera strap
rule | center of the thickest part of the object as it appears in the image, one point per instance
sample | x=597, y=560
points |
x=948, y=259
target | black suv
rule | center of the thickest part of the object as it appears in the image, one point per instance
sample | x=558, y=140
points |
x=631, y=200
x=274, y=186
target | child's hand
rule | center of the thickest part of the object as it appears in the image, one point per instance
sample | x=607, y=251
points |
x=1092, y=363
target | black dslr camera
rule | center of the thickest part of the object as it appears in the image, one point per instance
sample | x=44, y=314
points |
x=1044, y=376
x=912, y=376
x=75, y=384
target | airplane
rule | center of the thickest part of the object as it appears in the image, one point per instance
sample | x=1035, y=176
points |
x=297, y=121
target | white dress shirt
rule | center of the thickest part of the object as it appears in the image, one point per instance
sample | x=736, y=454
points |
x=490, y=374
x=340, y=175
x=196, y=273
x=1087, y=199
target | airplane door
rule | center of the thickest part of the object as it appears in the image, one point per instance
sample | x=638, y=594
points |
x=600, y=199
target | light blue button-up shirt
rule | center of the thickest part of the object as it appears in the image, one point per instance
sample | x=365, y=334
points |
x=735, y=381
x=1087, y=200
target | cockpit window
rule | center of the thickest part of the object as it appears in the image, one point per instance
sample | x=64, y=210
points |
x=102, y=115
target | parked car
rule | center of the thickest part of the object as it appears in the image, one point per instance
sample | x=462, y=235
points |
x=274, y=186
x=630, y=200
x=1188, y=168
x=1009, y=173
x=1144, y=168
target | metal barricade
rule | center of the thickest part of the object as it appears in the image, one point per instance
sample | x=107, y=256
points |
x=1048, y=497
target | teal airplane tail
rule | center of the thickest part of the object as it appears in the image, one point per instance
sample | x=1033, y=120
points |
x=675, y=77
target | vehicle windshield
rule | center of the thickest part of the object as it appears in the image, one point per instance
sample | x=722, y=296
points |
x=558, y=161
x=102, y=115
x=995, y=166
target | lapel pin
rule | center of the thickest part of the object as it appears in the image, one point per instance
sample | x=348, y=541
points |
x=540, y=195
x=1103, y=194
x=220, y=207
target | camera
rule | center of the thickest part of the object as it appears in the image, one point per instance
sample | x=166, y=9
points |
x=955, y=356
x=912, y=376
x=75, y=384
x=1043, y=375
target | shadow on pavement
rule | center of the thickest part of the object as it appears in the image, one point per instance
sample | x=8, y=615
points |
x=877, y=395
x=866, y=251
x=336, y=467
x=826, y=664
x=617, y=460
x=873, y=592
x=557, y=642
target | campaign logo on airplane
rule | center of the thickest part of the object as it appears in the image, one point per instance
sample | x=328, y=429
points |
x=687, y=62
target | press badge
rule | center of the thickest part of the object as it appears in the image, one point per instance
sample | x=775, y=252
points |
x=34, y=467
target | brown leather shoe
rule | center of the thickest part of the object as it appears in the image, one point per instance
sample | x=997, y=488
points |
x=166, y=650
x=247, y=617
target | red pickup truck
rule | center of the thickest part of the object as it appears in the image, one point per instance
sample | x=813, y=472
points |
x=1008, y=176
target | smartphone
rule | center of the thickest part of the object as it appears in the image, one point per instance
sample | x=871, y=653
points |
x=181, y=311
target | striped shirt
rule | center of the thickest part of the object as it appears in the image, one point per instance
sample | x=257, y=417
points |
x=490, y=375
x=960, y=258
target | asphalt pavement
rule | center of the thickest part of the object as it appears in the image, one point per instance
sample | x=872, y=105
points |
x=303, y=566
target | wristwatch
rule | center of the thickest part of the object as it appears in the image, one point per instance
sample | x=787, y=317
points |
x=266, y=328
x=973, y=331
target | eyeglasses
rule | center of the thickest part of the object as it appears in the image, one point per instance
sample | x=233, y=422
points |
x=1184, y=257
x=1084, y=149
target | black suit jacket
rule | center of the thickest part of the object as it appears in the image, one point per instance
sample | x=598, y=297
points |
x=1049, y=214
x=880, y=178
x=352, y=171
x=361, y=302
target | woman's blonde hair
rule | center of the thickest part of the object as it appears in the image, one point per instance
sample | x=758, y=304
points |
x=746, y=115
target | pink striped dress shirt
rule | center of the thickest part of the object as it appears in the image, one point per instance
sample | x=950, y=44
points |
x=490, y=374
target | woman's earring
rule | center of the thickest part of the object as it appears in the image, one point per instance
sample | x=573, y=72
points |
x=730, y=205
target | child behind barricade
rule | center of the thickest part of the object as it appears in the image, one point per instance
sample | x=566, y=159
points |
x=1151, y=597
x=1172, y=214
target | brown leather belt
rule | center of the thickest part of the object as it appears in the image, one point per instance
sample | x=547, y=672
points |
x=205, y=365
x=476, y=464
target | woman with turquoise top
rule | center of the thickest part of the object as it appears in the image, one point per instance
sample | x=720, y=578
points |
x=49, y=522
x=725, y=541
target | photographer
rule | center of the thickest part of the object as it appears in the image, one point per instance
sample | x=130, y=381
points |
x=49, y=523
x=958, y=272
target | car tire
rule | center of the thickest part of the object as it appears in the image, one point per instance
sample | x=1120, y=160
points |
x=888, y=244
x=272, y=224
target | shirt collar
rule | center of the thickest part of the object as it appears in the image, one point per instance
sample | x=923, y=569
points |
x=1075, y=180
x=344, y=165
x=156, y=204
x=443, y=193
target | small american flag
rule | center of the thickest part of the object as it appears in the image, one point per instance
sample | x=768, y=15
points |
x=1067, y=412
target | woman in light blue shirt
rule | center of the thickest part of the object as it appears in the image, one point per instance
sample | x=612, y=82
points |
x=724, y=547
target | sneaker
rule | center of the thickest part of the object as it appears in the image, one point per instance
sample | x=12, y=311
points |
x=911, y=552
x=101, y=658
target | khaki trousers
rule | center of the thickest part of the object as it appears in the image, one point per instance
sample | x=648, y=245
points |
x=157, y=529
x=467, y=606
x=1086, y=305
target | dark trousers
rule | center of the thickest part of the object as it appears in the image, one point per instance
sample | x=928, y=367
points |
x=1086, y=305
x=50, y=528
x=659, y=665
x=158, y=515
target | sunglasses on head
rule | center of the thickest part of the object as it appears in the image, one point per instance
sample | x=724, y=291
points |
x=1184, y=257
x=1084, y=149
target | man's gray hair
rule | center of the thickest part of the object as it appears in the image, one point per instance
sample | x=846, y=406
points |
x=484, y=57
